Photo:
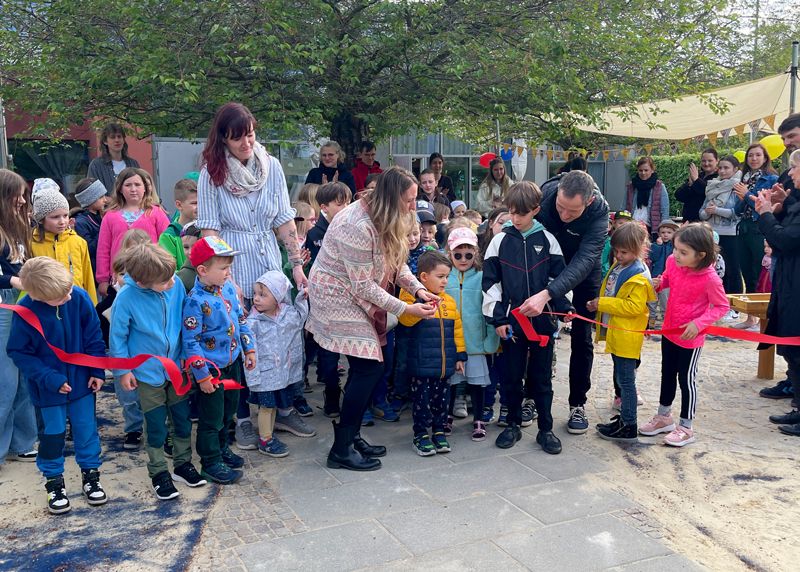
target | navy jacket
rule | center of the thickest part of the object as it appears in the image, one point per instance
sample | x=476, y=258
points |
x=345, y=176
x=73, y=327
x=315, y=235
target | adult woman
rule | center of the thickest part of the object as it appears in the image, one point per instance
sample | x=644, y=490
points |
x=365, y=250
x=647, y=196
x=114, y=156
x=443, y=182
x=693, y=192
x=493, y=188
x=331, y=167
x=242, y=197
x=782, y=231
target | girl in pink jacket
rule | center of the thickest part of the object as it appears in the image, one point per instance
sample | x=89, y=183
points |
x=696, y=300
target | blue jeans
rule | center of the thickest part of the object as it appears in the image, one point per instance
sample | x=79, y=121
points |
x=131, y=410
x=625, y=377
x=50, y=459
x=17, y=417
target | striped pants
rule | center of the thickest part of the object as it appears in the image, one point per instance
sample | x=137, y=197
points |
x=679, y=366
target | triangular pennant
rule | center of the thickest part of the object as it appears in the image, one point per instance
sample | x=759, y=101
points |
x=725, y=134
x=712, y=138
x=505, y=147
x=606, y=153
x=549, y=154
x=770, y=120
x=648, y=148
x=615, y=153
x=739, y=130
x=754, y=125
x=685, y=142
x=520, y=150
x=698, y=139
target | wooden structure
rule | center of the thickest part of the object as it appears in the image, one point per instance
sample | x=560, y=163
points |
x=756, y=305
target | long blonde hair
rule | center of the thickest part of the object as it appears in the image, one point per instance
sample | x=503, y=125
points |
x=389, y=214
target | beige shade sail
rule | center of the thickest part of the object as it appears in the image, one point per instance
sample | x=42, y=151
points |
x=764, y=100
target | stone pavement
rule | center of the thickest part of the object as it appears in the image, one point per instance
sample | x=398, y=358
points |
x=476, y=508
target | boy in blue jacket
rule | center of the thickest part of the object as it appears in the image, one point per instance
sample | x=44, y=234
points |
x=61, y=391
x=215, y=331
x=146, y=318
x=436, y=350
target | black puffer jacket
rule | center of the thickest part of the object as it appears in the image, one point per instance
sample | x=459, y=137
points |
x=345, y=176
x=693, y=196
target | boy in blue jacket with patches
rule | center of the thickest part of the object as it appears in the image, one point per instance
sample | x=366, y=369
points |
x=146, y=318
x=61, y=391
x=215, y=332
x=436, y=351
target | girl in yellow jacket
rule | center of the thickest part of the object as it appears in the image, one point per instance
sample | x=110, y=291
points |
x=625, y=293
x=53, y=238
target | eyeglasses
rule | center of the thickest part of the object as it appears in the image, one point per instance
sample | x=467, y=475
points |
x=465, y=256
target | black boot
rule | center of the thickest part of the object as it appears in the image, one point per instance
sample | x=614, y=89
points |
x=791, y=418
x=343, y=456
x=331, y=395
x=360, y=444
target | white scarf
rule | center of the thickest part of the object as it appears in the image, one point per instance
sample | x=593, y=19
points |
x=245, y=179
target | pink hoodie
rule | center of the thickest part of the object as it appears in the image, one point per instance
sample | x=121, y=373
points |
x=694, y=296
x=112, y=231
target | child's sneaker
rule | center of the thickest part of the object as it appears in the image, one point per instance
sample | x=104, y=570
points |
x=168, y=446
x=460, y=407
x=440, y=442
x=488, y=414
x=423, y=445
x=368, y=420
x=508, y=437
x=478, y=431
x=294, y=424
x=658, y=424
x=133, y=440
x=57, y=501
x=528, y=412
x=273, y=448
x=231, y=459
x=302, y=407
x=679, y=437
x=617, y=431
x=448, y=426
x=307, y=387
x=221, y=473
x=92, y=489
x=188, y=475
x=164, y=487
x=502, y=419
x=577, y=424
x=399, y=404
x=385, y=412
x=26, y=457
x=246, y=437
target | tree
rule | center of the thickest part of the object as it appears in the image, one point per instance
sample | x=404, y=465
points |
x=352, y=69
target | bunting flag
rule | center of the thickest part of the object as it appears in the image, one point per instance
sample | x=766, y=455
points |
x=520, y=150
x=698, y=139
x=770, y=120
x=712, y=138
x=725, y=134
x=754, y=125
x=648, y=148
x=685, y=143
x=615, y=153
x=739, y=130
x=549, y=154
x=506, y=147
x=606, y=153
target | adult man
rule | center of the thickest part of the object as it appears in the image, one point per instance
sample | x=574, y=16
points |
x=789, y=130
x=577, y=214
x=365, y=165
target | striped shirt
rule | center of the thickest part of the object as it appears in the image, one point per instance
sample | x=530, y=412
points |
x=247, y=223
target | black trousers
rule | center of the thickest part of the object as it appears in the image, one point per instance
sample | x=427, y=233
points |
x=362, y=377
x=729, y=248
x=524, y=358
x=581, y=357
x=679, y=366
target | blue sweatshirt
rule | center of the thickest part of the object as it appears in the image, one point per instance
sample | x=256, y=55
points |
x=145, y=321
x=214, y=327
x=73, y=327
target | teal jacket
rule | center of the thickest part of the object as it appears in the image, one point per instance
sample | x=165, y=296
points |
x=465, y=288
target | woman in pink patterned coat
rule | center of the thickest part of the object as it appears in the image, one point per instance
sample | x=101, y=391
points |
x=351, y=286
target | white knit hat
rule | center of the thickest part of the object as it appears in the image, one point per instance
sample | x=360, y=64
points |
x=46, y=200
x=45, y=184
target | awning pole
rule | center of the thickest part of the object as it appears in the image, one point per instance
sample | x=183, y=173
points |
x=793, y=79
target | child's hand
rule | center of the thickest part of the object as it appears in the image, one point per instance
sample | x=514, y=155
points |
x=250, y=361
x=207, y=387
x=95, y=383
x=659, y=241
x=65, y=388
x=690, y=332
x=128, y=382
x=305, y=254
x=711, y=208
x=503, y=332
x=460, y=367
x=102, y=289
x=656, y=282
x=591, y=305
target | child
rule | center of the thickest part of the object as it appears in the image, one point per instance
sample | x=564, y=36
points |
x=765, y=279
x=147, y=319
x=308, y=195
x=519, y=262
x=185, y=192
x=464, y=286
x=626, y=290
x=616, y=219
x=659, y=252
x=428, y=191
x=61, y=391
x=332, y=198
x=436, y=351
x=415, y=246
x=459, y=208
x=442, y=215
x=91, y=196
x=52, y=236
x=277, y=327
x=474, y=217
x=17, y=417
x=215, y=332
x=134, y=205
x=427, y=229
x=697, y=299
x=190, y=234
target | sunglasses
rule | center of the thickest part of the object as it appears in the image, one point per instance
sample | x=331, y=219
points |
x=465, y=256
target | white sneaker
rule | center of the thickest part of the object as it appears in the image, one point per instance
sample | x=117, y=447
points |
x=460, y=407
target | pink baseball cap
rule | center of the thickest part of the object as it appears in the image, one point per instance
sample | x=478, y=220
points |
x=460, y=236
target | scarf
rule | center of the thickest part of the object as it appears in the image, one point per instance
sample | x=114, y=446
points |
x=643, y=188
x=245, y=179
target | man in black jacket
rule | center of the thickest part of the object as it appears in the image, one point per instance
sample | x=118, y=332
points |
x=575, y=212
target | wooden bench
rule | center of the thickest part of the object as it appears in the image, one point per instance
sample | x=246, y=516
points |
x=756, y=305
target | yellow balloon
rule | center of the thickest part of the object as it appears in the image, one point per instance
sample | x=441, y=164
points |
x=774, y=145
x=740, y=155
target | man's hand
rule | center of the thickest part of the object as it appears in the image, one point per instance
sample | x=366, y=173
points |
x=534, y=305
x=66, y=388
x=95, y=383
x=128, y=382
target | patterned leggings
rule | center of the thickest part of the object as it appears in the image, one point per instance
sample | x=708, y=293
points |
x=430, y=397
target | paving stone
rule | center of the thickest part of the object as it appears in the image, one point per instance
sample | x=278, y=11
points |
x=588, y=544
x=671, y=563
x=445, y=525
x=475, y=556
x=566, y=500
x=347, y=547
x=569, y=464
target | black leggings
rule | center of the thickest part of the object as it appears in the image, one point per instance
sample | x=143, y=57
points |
x=362, y=377
x=476, y=394
x=729, y=248
x=679, y=366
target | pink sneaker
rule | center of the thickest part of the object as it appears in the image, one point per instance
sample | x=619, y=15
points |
x=616, y=405
x=679, y=437
x=658, y=424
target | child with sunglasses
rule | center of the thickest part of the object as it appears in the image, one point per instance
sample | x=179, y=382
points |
x=464, y=285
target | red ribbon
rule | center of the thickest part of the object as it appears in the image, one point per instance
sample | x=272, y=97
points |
x=182, y=385
x=225, y=383
x=732, y=333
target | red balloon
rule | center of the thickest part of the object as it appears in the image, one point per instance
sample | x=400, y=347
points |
x=486, y=158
